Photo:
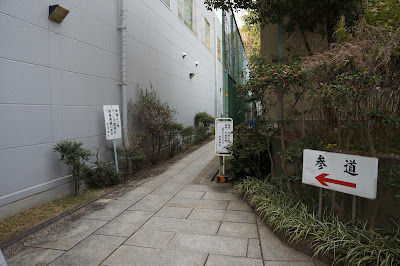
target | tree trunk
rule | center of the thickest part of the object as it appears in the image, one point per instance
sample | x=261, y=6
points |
x=330, y=22
x=271, y=160
x=282, y=127
x=306, y=43
x=372, y=218
x=368, y=125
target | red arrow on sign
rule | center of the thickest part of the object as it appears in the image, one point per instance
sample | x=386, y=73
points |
x=321, y=178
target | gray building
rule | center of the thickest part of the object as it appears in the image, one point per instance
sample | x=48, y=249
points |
x=55, y=78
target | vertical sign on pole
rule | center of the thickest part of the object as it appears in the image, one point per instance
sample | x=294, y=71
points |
x=112, y=121
x=223, y=139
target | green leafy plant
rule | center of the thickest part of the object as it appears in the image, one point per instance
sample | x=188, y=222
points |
x=250, y=153
x=74, y=155
x=131, y=156
x=103, y=175
x=155, y=118
x=187, y=134
x=393, y=180
x=351, y=245
x=201, y=134
x=204, y=119
x=174, y=139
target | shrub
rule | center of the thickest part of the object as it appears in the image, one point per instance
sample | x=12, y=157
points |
x=174, y=139
x=103, y=175
x=155, y=118
x=187, y=134
x=74, y=155
x=204, y=119
x=129, y=156
x=201, y=134
x=250, y=153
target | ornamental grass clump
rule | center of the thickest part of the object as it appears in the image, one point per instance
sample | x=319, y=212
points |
x=351, y=245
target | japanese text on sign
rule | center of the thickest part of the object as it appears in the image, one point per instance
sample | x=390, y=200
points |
x=112, y=122
x=223, y=135
x=351, y=174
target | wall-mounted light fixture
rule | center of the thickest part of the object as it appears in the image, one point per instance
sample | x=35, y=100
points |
x=191, y=75
x=57, y=13
x=183, y=54
x=196, y=63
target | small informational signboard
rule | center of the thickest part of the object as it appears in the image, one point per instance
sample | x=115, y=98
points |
x=223, y=136
x=350, y=174
x=112, y=121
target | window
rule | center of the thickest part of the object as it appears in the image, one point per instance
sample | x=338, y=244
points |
x=167, y=2
x=219, y=49
x=187, y=12
x=207, y=34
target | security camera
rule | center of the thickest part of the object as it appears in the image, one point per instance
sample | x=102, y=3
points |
x=196, y=63
x=183, y=54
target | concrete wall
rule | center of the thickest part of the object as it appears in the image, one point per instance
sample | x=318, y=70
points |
x=55, y=78
x=293, y=45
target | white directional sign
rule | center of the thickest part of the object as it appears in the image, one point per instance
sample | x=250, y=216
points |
x=112, y=121
x=351, y=174
x=223, y=136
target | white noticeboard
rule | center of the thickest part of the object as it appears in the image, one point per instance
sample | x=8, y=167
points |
x=223, y=136
x=112, y=121
x=350, y=174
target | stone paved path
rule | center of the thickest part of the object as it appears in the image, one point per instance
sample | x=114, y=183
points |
x=168, y=221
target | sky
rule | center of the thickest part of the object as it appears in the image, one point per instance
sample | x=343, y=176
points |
x=238, y=15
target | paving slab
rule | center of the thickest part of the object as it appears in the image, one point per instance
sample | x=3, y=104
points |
x=169, y=188
x=189, y=194
x=180, y=165
x=223, y=215
x=35, y=256
x=167, y=221
x=201, y=188
x=71, y=235
x=156, y=181
x=139, y=256
x=151, y=202
x=238, y=230
x=110, y=210
x=149, y=238
x=91, y=251
x=220, y=196
x=260, y=222
x=192, y=170
x=274, y=250
x=239, y=206
x=254, y=249
x=182, y=225
x=183, y=177
x=174, y=212
x=135, y=195
x=288, y=263
x=198, y=203
x=125, y=224
x=218, y=260
x=221, y=245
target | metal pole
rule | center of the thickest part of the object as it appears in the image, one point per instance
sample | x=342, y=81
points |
x=354, y=210
x=216, y=65
x=320, y=204
x=223, y=165
x=115, y=154
x=124, y=81
x=224, y=71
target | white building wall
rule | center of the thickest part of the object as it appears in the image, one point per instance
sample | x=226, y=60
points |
x=55, y=78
